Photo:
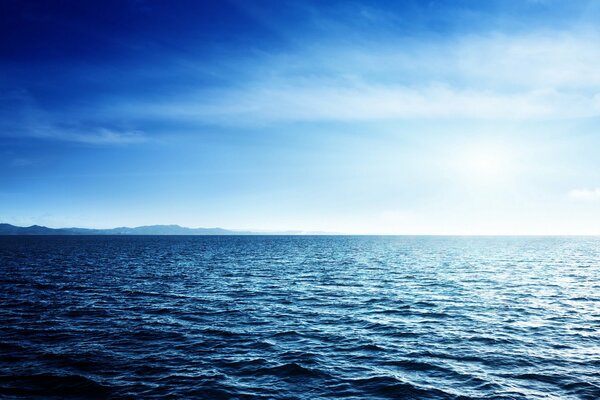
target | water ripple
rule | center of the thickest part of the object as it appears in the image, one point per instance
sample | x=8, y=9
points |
x=299, y=317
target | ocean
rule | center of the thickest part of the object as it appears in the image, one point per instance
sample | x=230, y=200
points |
x=299, y=317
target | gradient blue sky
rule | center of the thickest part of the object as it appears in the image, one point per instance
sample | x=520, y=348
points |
x=412, y=117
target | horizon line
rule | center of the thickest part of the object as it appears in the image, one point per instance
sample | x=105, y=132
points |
x=287, y=232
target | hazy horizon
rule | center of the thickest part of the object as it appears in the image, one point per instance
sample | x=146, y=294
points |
x=292, y=232
x=436, y=118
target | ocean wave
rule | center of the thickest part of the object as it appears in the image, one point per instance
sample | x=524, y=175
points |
x=50, y=385
x=299, y=317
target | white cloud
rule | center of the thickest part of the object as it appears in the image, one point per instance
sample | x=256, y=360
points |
x=99, y=136
x=558, y=60
x=30, y=120
x=293, y=103
x=536, y=76
x=585, y=194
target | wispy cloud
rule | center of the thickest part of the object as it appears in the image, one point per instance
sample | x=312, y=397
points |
x=293, y=103
x=94, y=136
x=548, y=75
x=558, y=60
x=585, y=194
x=32, y=121
x=23, y=162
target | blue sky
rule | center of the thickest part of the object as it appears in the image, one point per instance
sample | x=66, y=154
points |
x=413, y=117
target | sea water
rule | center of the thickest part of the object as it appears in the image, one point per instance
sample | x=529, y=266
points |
x=292, y=317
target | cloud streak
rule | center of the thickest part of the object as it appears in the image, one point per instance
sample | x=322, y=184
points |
x=535, y=76
x=97, y=136
x=374, y=102
x=585, y=194
x=28, y=120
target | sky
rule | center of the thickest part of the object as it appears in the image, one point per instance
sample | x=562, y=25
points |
x=361, y=117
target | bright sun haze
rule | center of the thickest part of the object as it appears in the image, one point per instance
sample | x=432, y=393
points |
x=443, y=117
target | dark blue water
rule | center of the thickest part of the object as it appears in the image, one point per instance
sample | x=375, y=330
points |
x=300, y=317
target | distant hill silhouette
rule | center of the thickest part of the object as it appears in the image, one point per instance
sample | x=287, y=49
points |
x=8, y=229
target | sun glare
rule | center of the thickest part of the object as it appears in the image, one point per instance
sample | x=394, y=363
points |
x=484, y=162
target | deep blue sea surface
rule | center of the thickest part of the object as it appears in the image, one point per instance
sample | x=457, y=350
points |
x=300, y=317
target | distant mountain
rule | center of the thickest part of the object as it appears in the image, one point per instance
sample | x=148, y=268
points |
x=8, y=229
x=169, y=230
